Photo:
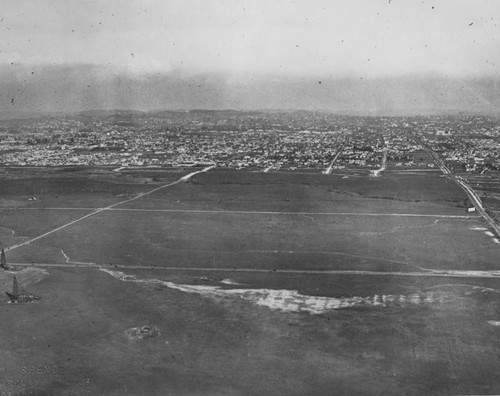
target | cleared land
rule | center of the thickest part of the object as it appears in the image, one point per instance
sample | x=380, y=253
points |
x=226, y=190
x=69, y=188
x=256, y=220
x=245, y=333
x=222, y=345
x=488, y=189
x=273, y=241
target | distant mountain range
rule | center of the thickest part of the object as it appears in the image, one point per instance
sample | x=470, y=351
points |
x=25, y=91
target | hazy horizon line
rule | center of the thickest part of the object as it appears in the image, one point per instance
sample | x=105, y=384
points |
x=79, y=87
x=113, y=69
x=13, y=114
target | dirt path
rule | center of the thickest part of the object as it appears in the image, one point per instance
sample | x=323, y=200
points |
x=99, y=210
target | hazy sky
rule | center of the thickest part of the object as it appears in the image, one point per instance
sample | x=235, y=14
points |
x=311, y=37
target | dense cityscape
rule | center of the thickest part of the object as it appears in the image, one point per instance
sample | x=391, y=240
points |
x=255, y=140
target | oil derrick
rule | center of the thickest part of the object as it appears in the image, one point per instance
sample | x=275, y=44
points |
x=3, y=262
x=16, y=297
x=15, y=288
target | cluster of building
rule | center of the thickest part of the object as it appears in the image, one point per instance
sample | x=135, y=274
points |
x=465, y=144
x=257, y=140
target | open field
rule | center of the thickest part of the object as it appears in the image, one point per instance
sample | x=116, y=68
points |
x=75, y=339
x=95, y=187
x=488, y=188
x=17, y=226
x=291, y=192
x=256, y=220
x=273, y=241
x=238, y=332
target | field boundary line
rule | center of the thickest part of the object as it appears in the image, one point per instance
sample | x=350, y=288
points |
x=463, y=217
x=99, y=210
x=256, y=212
x=426, y=273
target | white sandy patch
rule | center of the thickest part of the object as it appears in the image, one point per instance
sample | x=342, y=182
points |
x=228, y=282
x=65, y=256
x=190, y=175
x=291, y=300
x=496, y=240
x=143, y=332
x=7, y=231
x=486, y=289
x=478, y=228
x=477, y=274
x=489, y=233
x=494, y=322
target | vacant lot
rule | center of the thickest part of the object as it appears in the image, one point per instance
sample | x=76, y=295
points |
x=226, y=332
x=92, y=188
x=283, y=221
x=229, y=346
x=233, y=190
x=487, y=187
x=17, y=226
x=273, y=241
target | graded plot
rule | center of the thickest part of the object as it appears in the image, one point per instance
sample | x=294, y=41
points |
x=276, y=241
x=245, y=191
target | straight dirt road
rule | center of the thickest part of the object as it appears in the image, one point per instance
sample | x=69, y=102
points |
x=110, y=207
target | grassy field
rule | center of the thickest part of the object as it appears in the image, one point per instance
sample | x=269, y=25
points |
x=273, y=241
x=231, y=332
x=228, y=346
x=92, y=188
x=232, y=190
x=281, y=221
x=487, y=187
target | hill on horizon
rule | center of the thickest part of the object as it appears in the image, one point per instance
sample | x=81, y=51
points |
x=52, y=89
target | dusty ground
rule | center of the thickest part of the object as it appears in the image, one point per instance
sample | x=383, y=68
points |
x=250, y=333
x=76, y=339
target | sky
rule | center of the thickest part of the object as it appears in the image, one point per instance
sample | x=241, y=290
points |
x=310, y=37
x=245, y=39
